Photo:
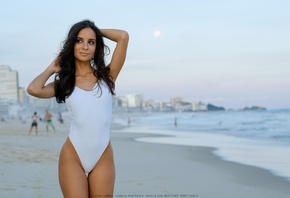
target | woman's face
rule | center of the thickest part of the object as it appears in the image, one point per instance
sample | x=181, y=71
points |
x=85, y=45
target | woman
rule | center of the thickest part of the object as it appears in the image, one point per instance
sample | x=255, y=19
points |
x=86, y=85
x=34, y=123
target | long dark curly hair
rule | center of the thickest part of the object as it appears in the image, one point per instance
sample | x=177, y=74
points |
x=65, y=79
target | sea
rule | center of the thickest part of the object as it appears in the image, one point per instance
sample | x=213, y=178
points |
x=259, y=138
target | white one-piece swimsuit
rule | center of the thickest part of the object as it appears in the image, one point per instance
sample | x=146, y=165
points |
x=90, y=113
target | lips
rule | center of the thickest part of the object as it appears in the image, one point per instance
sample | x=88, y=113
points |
x=84, y=54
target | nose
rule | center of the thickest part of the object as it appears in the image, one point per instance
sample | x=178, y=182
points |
x=85, y=45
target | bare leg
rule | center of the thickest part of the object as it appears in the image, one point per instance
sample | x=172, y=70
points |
x=72, y=179
x=102, y=178
x=30, y=130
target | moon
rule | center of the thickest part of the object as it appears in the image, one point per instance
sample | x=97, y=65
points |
x=157, y=34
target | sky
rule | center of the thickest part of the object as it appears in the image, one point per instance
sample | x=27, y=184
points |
x=228, y=53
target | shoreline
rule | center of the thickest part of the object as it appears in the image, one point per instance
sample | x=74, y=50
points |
x=188, y=170
x=268, y=155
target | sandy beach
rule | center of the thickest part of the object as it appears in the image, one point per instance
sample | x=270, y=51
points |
x=28, y=167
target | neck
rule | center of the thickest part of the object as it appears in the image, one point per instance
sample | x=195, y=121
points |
x=83, y=68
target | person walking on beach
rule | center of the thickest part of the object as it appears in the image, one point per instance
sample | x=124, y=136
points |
x=48, y=120
x=34, y=123
x=175, y=122
x=60, y=119
x=86, y=84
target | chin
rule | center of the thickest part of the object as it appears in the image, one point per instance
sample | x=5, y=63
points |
x=83, y=59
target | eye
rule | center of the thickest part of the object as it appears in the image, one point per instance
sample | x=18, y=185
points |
x=79, y=40
x=91, y=42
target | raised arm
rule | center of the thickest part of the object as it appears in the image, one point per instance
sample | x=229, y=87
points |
x=38, y=88
x=121, y=37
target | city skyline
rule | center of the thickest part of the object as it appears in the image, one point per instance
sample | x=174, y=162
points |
x=12, y=91
x=231, y=54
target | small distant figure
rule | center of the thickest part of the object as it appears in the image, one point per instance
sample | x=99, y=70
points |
x=175, y=122
x=60, y=118
x=220, y=123
x=129, y=121
x=48, y=120
x=2, y=119
x=34, y=123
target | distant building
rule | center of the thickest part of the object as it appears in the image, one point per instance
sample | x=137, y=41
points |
x=150, y=105
x=135, y=100
x=175, y=100
x=198, y=106
x=194, y=106
x=183, y=106
x=23, y=97
x=122, y=101
x=202, y=106
x=9, y=91
x=9, y=84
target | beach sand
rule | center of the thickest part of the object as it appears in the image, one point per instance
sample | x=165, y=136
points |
x=28, y=168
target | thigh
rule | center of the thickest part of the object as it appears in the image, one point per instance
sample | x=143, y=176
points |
x=102, y=177
x=72, y=178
